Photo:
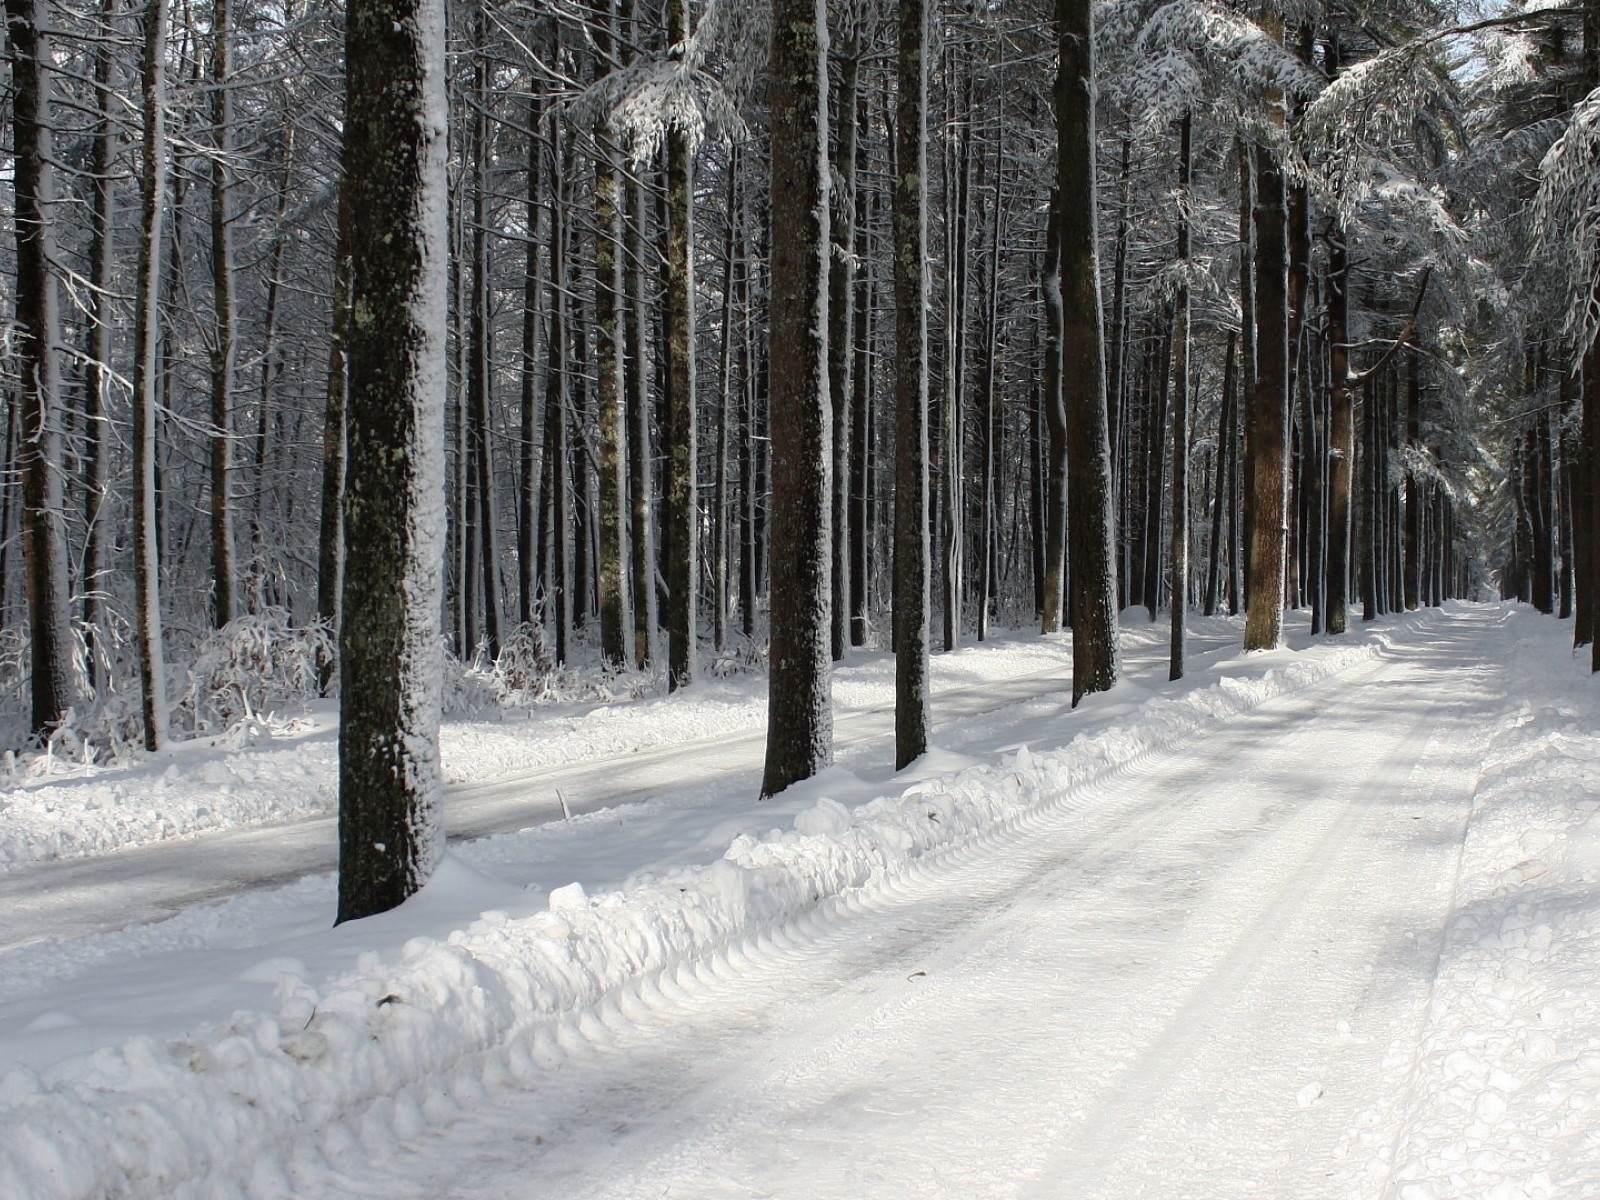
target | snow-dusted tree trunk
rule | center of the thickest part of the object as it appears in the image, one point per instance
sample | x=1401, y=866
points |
x=841, y=336
x=1269, y=403
x=1180, y=406
x=641, y=472
x=147, y=377
x=912, y=552
x=1091, y=518
x=390, y=835
x=330, y=537
x=1055, y=545
x=225, y=335
x=532, y=297
x=682, y=500
x=97, y=375
x=1341, y=434
x=480, y=373
x=799, y=704
x=615, y=625
x=555, y=523
x=38, y=343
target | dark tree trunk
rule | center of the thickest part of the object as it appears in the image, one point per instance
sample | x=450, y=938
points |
x=683, y=505
x=38, y=337
x=1264, y=583
x=97, y=372
x=330, y=538
x=860, y=436
x=610, y=399
x=799, y=704
x=1055, y=548
x=1247, y=360
x=224, y=350
x=1413, y=486
x=480, y=374
x=841, y=340
x=556, y=521
x=390, y=791
x=532, y=299
x=1091, y=520
x=912, y=555
x=1226, y=421
x=1180, y=410
x=1341, y=434
x=641, y=475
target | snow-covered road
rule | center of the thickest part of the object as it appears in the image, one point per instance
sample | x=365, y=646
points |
x=1203, y=976
x=76, y=897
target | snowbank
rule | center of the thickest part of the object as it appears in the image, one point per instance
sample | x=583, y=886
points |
x=376, y=1054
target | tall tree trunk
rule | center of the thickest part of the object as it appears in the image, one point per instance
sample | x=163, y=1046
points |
x=1247, y=357
x=330, y=539
x=952, y=487
x=38, y=340
x=532, y=301
x=615, y=623
x=1413, y=486
x=1055, y=542
x=1117, y=358
x=1227, y=420
x=912, y=551
x=1369, y=501
x=860, y=435
x=799, y=703
x=989, y=417
x=841, y=336
x=1180, y=408
x=480, y=374
x=1341, y=434
x=641, y=476
x=1091, y=520
x=390, y=791
x=1269, y=404
x=556, y=522
x=98, y=372
x=683, y=506
x=147, y=340
x=721, y=540
x=224, y=350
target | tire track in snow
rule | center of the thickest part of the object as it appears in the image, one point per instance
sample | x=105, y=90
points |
x=1079, y=980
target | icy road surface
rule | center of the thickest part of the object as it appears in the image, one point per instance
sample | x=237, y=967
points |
x=1205, y=975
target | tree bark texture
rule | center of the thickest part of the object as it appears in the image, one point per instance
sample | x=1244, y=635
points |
x=390, y=791
x=38, y=343
x=1091, y=518
x=912, y=549
x=799, y=704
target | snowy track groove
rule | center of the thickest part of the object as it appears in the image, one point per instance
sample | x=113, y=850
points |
x=1201, y=976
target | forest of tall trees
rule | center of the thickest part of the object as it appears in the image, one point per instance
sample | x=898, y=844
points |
x=728, y=332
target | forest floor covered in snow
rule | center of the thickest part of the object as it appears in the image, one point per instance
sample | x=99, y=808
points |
x=1320, y=922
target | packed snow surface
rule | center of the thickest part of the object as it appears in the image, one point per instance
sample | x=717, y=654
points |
x=1314, y=923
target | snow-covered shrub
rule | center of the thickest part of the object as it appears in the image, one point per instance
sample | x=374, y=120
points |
x=744, y=659
x=525, y=664
x=466, y=690
x=254, y=664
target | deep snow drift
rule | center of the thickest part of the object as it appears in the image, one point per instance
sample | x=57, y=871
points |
x=245, y=1049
